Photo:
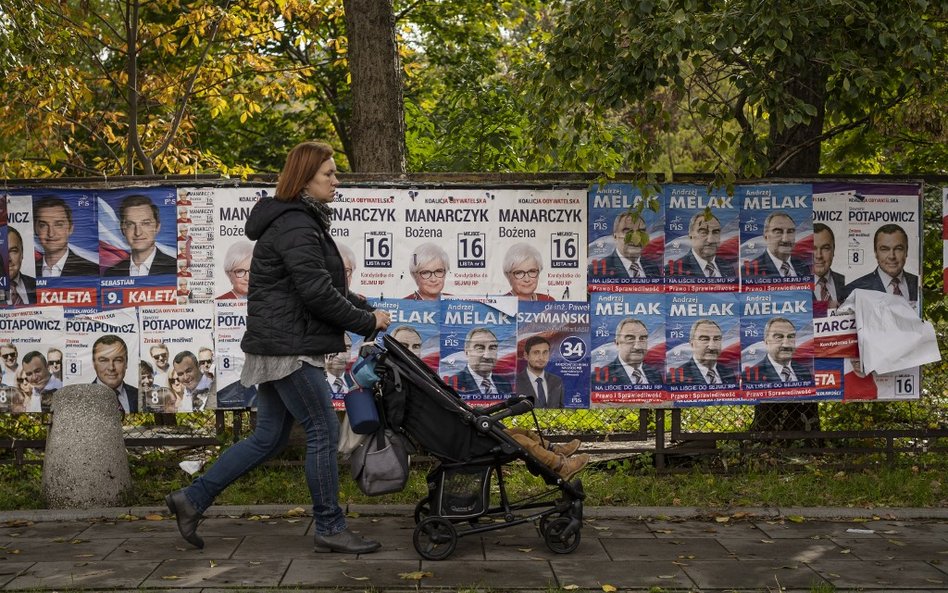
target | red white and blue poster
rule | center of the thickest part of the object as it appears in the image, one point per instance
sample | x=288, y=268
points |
x=620, y=259
x=702, y=235
x=628, y=357
x=703, y=348
x=479, y=348
x=137, y=246
x=777, y=345
x=553, y=353
x=776, y=237
x=415, y=325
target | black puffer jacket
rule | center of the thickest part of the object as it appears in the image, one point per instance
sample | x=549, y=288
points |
x=298, y=301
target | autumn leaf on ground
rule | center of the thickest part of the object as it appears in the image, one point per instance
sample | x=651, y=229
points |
x=170, y=577
x=212, y=563
x=416, y=575
x=609, y=588
x=722, y=519
x=795, y=518
x=296, y=512
x=355, y=578
x=127, y=517
x=570, y=587
x=154, y=517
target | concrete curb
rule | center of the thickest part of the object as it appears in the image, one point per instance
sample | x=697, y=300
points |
x=602, y=512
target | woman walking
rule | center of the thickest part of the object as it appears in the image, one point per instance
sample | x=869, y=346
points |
x=298, y=308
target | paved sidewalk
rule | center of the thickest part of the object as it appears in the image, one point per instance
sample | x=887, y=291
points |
x=268, y=548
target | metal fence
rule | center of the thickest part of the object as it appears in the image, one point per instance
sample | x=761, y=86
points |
x=886, y=429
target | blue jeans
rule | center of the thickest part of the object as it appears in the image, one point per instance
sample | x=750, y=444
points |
x=303, y=395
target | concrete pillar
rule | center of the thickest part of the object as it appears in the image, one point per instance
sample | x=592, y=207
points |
x=86, y=464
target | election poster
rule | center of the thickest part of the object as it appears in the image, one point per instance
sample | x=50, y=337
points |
x=137, y=246
x=703, y=348
x=776, y=237
x=944, y=237
x=882, y=248
x=702, y=235
x=830, y=229
x=21, y=266
x=29, y=339
x=102, y=348
x=540, y=247
x=553, y=353
x=861, y=386
x=65, y=249
x=196, y=244
x=620, y=259
x=416, y=325
x=4, y=250
x=828, y=378
x=233, y=251
x=834, y=336
x=479, y=347
x=368, y=229
x=628, y=356
x=448, y=239
x=228, y=359
x=174, y=337
x=777, y=345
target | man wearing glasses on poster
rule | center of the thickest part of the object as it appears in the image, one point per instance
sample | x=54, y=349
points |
x=138, y=219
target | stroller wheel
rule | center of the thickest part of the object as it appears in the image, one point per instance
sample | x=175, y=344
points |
x=558, y=538
x=435, y=538
x=422, y=510
x=544, y=524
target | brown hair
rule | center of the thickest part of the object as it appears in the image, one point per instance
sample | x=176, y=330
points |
x=301, y=164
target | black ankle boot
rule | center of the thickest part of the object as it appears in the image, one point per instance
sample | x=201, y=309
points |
x=188, y=517
x=345, y=542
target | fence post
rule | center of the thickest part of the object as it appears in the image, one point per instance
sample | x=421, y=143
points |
x=660, y=439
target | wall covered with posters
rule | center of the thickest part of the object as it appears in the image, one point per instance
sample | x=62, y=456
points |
x=706, y=298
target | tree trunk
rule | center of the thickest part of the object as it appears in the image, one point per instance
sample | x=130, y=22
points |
x=795, y=152
x=377, y=127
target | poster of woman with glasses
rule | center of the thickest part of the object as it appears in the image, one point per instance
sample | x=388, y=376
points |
x=540, y=246
x=233, y=251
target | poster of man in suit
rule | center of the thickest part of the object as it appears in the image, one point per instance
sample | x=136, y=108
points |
x=625, y=246
x=137, y=245
x=628, y=357
x=479, y=347
x=701, y=239
x=703, y=347
x=776, y=236
x=777, y=345
x=553, y=353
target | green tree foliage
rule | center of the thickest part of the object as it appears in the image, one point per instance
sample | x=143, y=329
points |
x=764, y=83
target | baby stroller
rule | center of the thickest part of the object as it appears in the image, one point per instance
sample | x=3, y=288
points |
x=470, y=446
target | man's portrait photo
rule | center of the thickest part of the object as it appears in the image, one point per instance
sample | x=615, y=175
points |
x=481, y=350
x=779, y=366
x=534, y=380
x=110, y=361
x=140, y=224
x=626, y=259
x=780, y=237
x=828, y=284
x=890, y=245
x=704, y=234
x=707, y=341
x=22, y=287
x=629, y=366
x=53, y=226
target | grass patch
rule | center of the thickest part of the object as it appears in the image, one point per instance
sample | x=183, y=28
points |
x=911, y=483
